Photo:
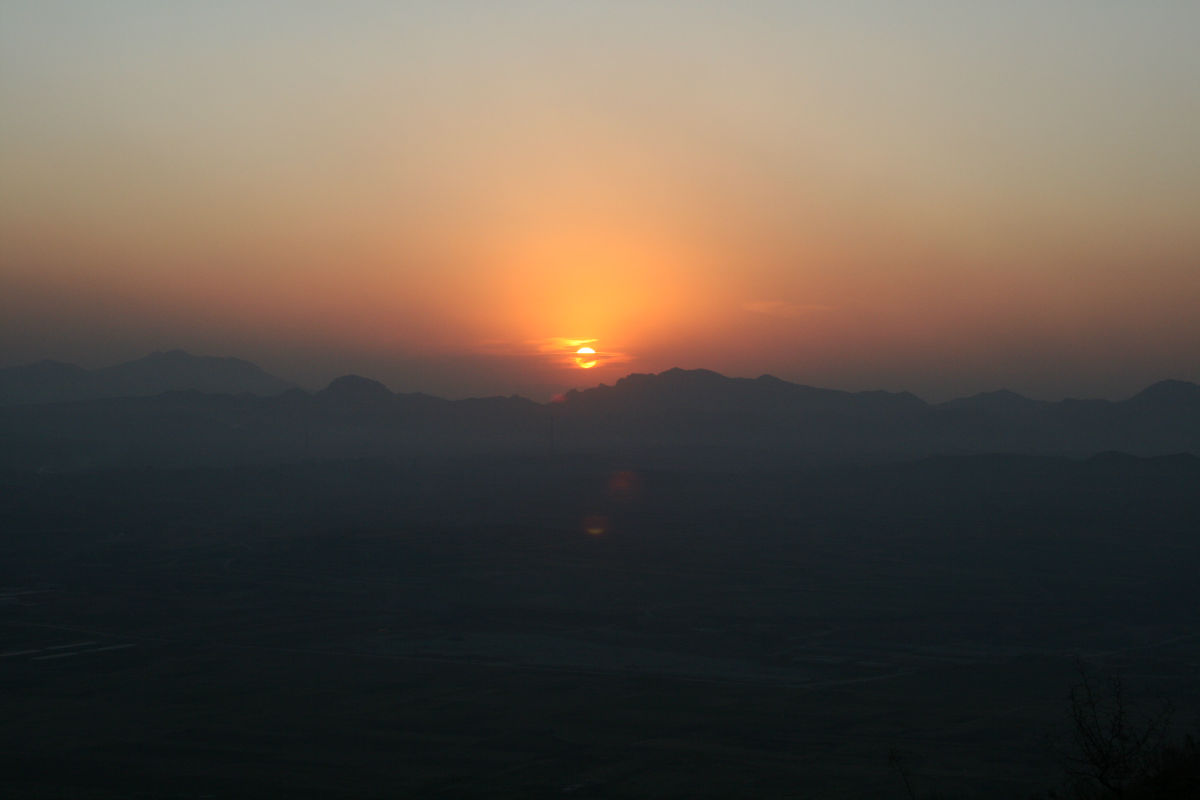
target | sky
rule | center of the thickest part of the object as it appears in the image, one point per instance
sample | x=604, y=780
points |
x=452, y=197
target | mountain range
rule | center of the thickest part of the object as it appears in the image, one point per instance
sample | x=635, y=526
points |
x=177, y=409
x=174, y=370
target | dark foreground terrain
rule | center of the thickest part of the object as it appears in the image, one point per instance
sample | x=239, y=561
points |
x=584, y=627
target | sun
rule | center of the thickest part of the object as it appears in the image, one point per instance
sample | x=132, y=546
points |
x=585, y=358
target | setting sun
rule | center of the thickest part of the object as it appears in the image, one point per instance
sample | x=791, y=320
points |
x=585, y=357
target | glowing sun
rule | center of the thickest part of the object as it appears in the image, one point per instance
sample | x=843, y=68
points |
x=585, y=358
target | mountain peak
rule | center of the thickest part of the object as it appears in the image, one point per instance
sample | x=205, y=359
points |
x=674, y=376
x=994, y=400
x=173, y=370
x=152, y=374
x=702, y=391
x=183, y=359
x=1002, y=394
x=1171, y=391
x=355, y=386
x=704, y=374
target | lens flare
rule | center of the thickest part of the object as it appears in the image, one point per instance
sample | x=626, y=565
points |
x=595, y=525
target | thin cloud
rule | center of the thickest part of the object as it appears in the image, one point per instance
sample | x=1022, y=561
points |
x=558, y=350
x=558, y=344
x=562, y=350
x=781, y=308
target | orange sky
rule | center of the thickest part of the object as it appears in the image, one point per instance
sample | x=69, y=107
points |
x=942, y=200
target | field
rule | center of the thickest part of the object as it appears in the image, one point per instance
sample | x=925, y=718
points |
x=584, y=627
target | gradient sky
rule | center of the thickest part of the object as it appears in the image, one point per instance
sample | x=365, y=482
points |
x=944, y=197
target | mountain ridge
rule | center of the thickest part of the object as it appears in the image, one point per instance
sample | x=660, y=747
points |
x=50, y=381
x=132, y=375
x=697, y=411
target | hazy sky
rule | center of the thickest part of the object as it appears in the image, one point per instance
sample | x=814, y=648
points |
x=945, y=197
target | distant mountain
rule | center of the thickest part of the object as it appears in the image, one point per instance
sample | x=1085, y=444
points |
x=687, y=408
x=44, y=382
x=1002, y=401
x=697, y=415
x=354, y=387
x=704, y=391
x=1168, y=394
x=176, y=370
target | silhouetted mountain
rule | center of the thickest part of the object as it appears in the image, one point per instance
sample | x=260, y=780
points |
x=176, y=370
x=697, y=412
x=1001, y=400
x=1169, y=394
x=355, y=388
x=704, y=391
x=699, y=407
x=43, y=382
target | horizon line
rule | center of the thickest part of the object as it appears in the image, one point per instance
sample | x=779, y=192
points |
x=296, y=386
